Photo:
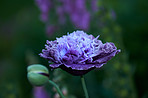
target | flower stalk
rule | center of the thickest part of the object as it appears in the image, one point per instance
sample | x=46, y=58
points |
x=57, y=88
x=84, y=86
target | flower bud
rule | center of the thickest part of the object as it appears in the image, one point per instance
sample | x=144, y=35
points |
x=38, y=74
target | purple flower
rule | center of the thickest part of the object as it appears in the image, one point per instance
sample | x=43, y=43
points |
x=79, y=15
x=39, y=92
x=78, y=53
x=94, y=5
x=44, y=6
x=60, y=12
x=50, y=30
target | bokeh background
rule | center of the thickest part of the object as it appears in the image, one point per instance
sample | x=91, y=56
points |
x=25, y=25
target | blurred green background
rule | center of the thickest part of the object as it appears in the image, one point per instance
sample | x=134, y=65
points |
x=22, y=37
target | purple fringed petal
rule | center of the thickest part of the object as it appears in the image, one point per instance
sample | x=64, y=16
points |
x=78, y=53
x=105, y=57
x=76, y=69
x=54, y=66
x=75, y=66
x=107, y=51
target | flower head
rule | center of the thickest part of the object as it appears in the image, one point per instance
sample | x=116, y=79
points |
x=78, y=52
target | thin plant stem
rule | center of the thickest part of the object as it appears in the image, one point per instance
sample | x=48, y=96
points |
x=57, y=88
x=84, y=87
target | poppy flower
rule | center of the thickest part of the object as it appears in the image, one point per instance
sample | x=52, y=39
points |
x=78, y=53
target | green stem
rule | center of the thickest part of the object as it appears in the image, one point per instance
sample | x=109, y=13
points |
x=84, y=87
x=57, y=88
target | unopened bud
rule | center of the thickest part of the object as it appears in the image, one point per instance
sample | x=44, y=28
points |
x=38, y=74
